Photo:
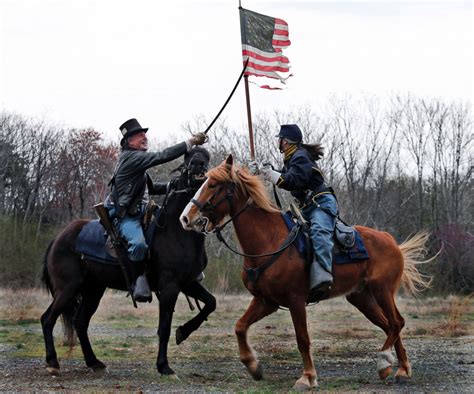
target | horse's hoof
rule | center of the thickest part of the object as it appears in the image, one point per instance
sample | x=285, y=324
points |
x=179, y=336
x=166, y=371
x=402, y=379
x=172, y=377
x=384, y=373
x=52, y=371
x=99, y=366
x=301, y=387
x=257, y=373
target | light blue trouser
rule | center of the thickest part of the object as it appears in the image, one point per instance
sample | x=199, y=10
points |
x=322, y=228
x=130, y=229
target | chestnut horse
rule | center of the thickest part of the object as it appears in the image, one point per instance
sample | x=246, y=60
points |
x=369, y=285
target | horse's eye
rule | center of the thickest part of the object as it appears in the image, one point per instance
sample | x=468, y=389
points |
x=211, y=186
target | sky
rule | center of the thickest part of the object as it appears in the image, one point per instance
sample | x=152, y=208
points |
x=98, y=63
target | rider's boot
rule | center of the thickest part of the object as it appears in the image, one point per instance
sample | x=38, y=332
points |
x=141, y=289
x=320, y=282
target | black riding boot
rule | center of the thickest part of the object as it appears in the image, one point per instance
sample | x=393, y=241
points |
x=141, y=289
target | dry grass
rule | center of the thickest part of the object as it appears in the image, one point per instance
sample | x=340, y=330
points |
x=125, y=338
x=451, y=316
x=454, y=325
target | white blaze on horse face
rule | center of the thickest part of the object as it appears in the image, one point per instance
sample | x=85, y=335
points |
x=186, y=218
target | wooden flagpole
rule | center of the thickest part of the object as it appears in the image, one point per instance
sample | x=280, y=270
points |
x=249, y=117
x=249, y=111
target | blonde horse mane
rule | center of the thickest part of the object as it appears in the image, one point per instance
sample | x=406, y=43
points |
x=249, y=185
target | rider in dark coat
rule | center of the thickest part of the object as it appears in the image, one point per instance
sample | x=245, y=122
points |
x=303, y=178
x=129, y=184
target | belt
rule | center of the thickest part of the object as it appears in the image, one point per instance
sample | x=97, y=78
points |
x=312, y=197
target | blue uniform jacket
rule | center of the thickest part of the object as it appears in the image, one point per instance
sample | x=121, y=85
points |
x=300, y=174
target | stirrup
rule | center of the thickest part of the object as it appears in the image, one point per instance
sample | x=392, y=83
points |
x=141, y=290
x=320, y=292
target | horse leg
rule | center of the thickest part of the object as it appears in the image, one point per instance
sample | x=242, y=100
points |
x=198, y=291
x=375, y=310
x=309, y=378
x=89, y=304
x=257, y=310
x=62, y=301
x=386, y=300
x=168, y=297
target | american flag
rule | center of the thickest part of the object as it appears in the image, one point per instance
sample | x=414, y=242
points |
x=263, y=39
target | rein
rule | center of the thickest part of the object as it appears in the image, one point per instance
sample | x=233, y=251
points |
x=286, y=243
x=252, y=273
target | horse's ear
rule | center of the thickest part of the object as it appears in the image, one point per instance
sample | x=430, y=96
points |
x=229, y=161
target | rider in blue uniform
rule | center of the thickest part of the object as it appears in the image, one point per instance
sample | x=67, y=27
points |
x=303, y=178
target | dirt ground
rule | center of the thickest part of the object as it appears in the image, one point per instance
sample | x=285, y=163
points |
x=438, y=336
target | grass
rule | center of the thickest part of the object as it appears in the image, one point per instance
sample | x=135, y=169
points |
x=119, y=332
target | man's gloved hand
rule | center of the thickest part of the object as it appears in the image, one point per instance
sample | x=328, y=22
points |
x=198, y=139
x=253, y=167
x=269, y=174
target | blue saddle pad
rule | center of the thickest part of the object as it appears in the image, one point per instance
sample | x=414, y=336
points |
x=340, y=256
x=300, y=241
x=91, y=242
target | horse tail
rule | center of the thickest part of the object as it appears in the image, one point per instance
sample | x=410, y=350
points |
x=45, y=274
x=413, y=251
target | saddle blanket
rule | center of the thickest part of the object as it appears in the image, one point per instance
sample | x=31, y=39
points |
x=340, y=256
x=91, y=242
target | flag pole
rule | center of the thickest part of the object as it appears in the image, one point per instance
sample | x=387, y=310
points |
x=249, y=117
x=249, y=111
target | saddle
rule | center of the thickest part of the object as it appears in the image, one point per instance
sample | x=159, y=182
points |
x=348, y=244
x=94, y=244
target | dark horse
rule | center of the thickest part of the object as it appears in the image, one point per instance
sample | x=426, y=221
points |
x=177, y=258
x=369, y=285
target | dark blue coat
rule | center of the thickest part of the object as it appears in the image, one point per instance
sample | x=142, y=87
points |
x=300, y=174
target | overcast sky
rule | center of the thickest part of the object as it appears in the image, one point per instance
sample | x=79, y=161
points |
x=98, y=63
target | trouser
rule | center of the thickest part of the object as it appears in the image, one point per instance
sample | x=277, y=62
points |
x=130, y=228
x=322, y=224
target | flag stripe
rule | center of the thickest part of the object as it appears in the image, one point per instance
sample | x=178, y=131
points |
x=269, y=55
x=279, y=37
x=281, y=44
x=261, y=67
x=279, y=21
x=280, y=58
x=270, y=74
x=274, y=63
x=280, y=27
x=280, y=32
x=269, y=87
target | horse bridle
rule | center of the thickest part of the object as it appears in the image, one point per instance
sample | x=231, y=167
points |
x=171, y=190
x=209, y=207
